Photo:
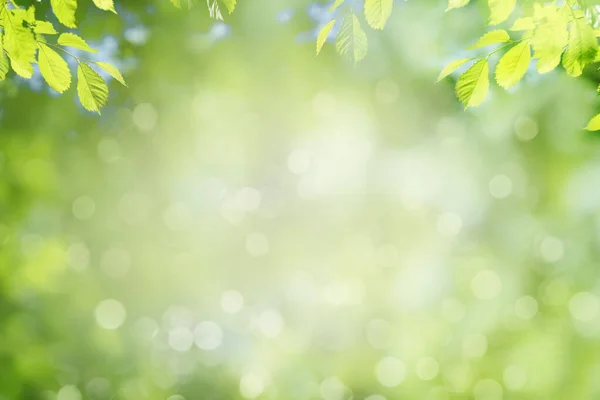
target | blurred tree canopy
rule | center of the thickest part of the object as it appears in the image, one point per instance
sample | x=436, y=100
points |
x=246, y=221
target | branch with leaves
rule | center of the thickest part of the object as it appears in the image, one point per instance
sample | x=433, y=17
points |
x=555, y=33
x=24, y=42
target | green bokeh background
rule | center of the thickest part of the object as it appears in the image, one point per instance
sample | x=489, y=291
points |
x=348, y=231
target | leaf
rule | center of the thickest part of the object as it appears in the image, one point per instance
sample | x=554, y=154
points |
x=492, y=37
x=65, y=11
x=54, y=69
x=473, y=86
x=351, y=40
x=92, y=90
x=513, y=65
x=500, y=10
x=176, y=3
x=456, y=4
x=106, y=5
x=44, y=28
x=335, y=5
x=451, y=67
x=377, y=12
x=323, y=35
x=214, y=10
x=113, y=71
x=582, y=47
x=72, y=40
x=549, y=40
x=594, y=124
x=230, y=5
x=523, y=24
x=19, y=43
x=4, y=65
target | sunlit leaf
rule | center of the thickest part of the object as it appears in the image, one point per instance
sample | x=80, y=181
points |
x=72, y=40
x=451, y=67
x=456, y=4
x=492, y=37
x=582, y=47
x=112, y=71
x=473, y=86
x=377, y=12
x=65, y=11
x=323, y=35
x=351, y=40
x=54, y=68
x=500, y=10
x=594, y=124
x=107, y=5
x=513, y=65
x=91, y=88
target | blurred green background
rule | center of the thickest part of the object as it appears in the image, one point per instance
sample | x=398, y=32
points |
x=247, y=220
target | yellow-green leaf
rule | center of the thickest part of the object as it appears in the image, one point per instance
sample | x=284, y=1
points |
x=549, y=39
x=72, y=40
x=4, y=65
x=44, y=28
x=492, y=37
x=351, y=40
x=230, y=5
x=594, y=124
x=473, y=86
x=377, y=12
x=54, y=69
x=19, y=43
x=451, y=67
x=523, y=24
x=176, y=3
x=91, y=89
x=65, y=11
x=582, y=47
x=456, y=4
x=323, y=35
x=513, y=65
x=335, y=5
x=112, y=71
x=500, y=10
x=106, y=5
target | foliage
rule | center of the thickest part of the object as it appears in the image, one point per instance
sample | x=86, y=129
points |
x=553, y=32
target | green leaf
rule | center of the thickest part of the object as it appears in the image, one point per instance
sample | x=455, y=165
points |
x=112, y=70
x=473, y=86
x=513, y=65
x=451, y=67
x=44, y=28
x=582, y=47
x=335, y=5
x=106, y=5
x=456, y=4
x=4, y=65
x=492, y=37
x=323, y=35
x=176, y=3
x=65, y=11
x=230, y=5
x=19, y=43
x=523, y=24
x=92, y=90
x=72, y=40
x=377, y=12
x=351, y=40
x=500, y=10
x=54, y=69
x=594, y=124
x=549, y=39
